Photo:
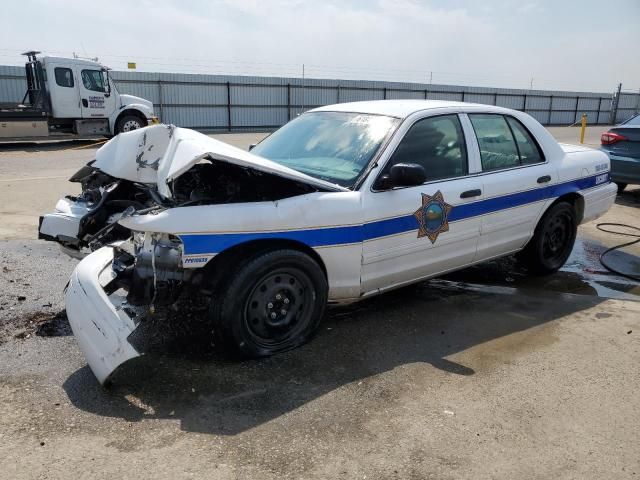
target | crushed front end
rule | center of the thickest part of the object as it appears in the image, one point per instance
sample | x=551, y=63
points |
x=118, y=287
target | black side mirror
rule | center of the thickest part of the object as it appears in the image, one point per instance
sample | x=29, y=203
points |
x=252, y=146
x=402, y=175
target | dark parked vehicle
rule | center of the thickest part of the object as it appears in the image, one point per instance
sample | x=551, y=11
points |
x=622, y=144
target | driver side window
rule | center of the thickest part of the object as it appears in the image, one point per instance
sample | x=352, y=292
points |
x=437, y=144
x=93, y=80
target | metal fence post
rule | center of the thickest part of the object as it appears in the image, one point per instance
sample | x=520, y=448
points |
x=288, y=102
x=575, y=113
x=613, y=114
x=550, y=109
x=426, y=94
x=524, y=103
x=384, y=93
x=338, y=94
x=160, y=101
x=229, y=106
x=599, y=110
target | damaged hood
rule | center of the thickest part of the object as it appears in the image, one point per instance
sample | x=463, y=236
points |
x=161, y=153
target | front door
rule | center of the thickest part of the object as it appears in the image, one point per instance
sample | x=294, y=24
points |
x=415, y=232
x=96, y=100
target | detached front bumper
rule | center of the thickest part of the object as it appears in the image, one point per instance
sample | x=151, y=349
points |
x=99, y=321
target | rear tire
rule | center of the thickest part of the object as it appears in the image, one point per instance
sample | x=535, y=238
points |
x=129, y=123
x=621, y=187
x=552, y=241
x=273, y=303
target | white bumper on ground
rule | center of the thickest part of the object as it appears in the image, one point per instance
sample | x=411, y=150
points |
x=98, y=321
x=598, y=201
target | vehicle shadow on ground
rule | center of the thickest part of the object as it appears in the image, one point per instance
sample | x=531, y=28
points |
x=424, y=324
x=55, y=145
x=629, y=197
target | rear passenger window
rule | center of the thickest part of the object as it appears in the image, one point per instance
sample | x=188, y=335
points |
x=527, y=147
x=497, y=148
x=64, y=76
x=436, y=143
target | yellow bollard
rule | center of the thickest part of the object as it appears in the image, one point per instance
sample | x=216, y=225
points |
x=583, y=127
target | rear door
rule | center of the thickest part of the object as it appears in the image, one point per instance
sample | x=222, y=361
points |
x=515, y=175
x=95, y=101
x=415, y=232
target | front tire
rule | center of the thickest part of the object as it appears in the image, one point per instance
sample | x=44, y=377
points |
x=552, y=241
x=273, y=303
x=129, y=123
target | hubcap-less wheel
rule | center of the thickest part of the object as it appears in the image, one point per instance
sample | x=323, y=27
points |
x=552, y=240
x=130, y=125
x=557, y=237
x=279, y=307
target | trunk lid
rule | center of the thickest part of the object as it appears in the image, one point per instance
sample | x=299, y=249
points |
x=629, y=147
x=161, y=153
x=570, y=148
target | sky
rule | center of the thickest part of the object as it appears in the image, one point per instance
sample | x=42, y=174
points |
x=582, y=45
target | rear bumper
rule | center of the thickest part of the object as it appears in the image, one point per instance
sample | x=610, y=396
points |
x=99, y=323
x=624, y=169
x=598, y=201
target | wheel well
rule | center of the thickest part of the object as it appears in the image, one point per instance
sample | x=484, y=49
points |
x=131, y=111
x=231, y=259
x=576, y=200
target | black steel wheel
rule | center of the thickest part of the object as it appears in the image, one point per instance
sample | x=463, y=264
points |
x=273, y=303
x=552, y=241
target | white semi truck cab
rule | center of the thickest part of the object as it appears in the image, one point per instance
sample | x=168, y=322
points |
x=72, y=96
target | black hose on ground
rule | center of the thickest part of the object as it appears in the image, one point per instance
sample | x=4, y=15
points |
x=600, y=226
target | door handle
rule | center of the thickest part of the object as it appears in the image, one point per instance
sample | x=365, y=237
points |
x=85, y=103
x=544, y=179
x=471, y=193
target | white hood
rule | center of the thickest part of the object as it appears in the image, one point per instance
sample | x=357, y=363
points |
x=126, y=100
x=161, y=153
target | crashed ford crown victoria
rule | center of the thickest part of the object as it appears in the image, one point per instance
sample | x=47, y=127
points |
x=343, y=202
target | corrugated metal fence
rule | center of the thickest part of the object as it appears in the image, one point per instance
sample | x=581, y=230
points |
x=221, y=102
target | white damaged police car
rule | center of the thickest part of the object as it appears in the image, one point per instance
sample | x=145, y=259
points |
x=344, y=202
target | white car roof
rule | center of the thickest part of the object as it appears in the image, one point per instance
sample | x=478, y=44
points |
x=394, y=108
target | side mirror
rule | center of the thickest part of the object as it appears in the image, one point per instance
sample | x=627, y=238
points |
x=402, y=175
x=252, y=146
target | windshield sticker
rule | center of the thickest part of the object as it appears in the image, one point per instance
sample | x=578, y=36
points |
x=432, y=216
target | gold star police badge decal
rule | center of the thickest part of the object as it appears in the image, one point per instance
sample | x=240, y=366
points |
x=432, y=216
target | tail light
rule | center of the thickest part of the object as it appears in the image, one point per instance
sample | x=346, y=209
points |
x=609, y=138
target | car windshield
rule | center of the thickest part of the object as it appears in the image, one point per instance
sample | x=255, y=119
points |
x=632, y=121
x=332, y=146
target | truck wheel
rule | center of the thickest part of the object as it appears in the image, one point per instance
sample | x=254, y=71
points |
x=621, y=187
x=273, y=303
x=552, y=240
x=129, y=123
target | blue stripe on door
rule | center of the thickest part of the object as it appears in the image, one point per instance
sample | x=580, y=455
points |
x=209, y=243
